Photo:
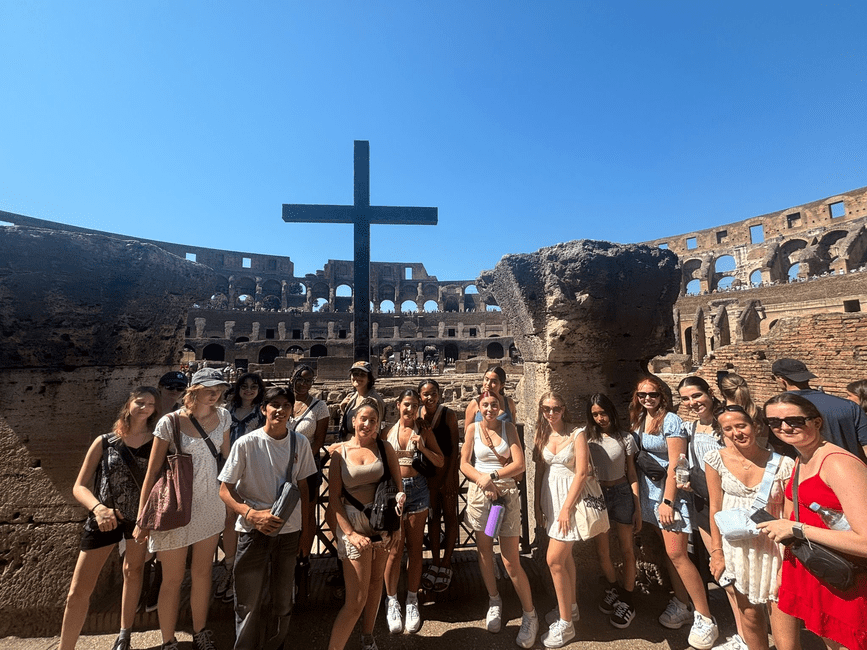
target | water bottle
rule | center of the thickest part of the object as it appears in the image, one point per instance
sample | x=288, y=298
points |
x=834, y=519
x=681, y=470
x=495, y=518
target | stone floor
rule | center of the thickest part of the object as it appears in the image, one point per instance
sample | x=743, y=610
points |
x=453, y=619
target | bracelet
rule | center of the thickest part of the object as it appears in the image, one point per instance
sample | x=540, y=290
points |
x=714, y=550
x=98, y=503
x=248, y=512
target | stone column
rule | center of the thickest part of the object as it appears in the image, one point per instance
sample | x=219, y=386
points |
x=441, y=329
x=281, y=331
x=330, y=334
x=200, y=327
x=374, y=330
x=255, y=335
x=229, y=329
x=306, y=333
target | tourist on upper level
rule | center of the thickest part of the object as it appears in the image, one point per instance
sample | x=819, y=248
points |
x=667, y=508
x=245, y=408
x=107, y=485
x=310, y=417
x=836, y=479
x=845, y=423
x=409, y=435
x=444, y=486
x=736, y=475
x=857, y=392
x=562, y=469
x=613, y=452
x=200, y=421
x=356, y=468
x=257, y=467
x=361, y=376
x=171, y=388
x=499, y=460
x=493, y=381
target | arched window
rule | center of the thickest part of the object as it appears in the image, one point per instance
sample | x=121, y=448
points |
x=268, y=354
x=693, y=287
x=214, y=352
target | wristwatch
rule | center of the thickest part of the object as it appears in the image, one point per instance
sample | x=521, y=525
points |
x=495, y=475
x=798, y=531
x=668, y=503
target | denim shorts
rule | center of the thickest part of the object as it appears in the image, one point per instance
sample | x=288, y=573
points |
x=417, y=495
x=620, y=503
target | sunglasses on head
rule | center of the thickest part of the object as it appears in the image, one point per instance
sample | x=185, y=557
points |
x=730, y=408
x=794, y=422
x=548, y=410
x=651, y=395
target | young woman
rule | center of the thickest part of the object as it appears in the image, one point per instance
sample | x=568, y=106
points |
x=443, y=486
x=114, y=466
x=208, y=510
x=734, y=476
x=666, y=508
x=735, y=391
x=494, y=382
x=498, y=459
x=562, y=463
x=362, y=379
x=309, y=418
x=356, y=465
x=247, y=416
x=613, y=453
x=407, y=435
x=857, y=392
x=834, y=478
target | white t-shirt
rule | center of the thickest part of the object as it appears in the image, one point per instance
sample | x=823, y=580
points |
x=257, y=467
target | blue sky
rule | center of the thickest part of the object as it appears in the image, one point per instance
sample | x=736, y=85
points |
x=526, y=124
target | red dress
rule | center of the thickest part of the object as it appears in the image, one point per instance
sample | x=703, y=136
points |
x=837, y=615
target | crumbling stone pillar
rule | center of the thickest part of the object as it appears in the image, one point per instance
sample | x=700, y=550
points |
x=85, y=319
x=228, y=330
x=281, y=330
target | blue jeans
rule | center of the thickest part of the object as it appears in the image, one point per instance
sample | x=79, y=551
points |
x=264, y=589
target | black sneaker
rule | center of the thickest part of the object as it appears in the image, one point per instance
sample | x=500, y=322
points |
x=623, y=615
x=121, y=643
x=204, y=640
x=609, y=600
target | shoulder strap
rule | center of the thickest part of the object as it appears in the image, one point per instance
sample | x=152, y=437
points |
x=307, y=410
x=436, y=417
x=764, y=491
x=204, y=435
x=175, y=419
x=126, y=455
x=291, y=455
x=386, y=475
x=795, y=490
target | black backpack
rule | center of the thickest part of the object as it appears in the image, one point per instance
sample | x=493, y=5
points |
x=383, y=512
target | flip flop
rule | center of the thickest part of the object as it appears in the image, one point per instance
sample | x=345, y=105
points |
x=444, y=579
x=430, y=577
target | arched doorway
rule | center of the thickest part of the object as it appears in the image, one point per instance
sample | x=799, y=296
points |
x=214, y=352
x=268, y=354
x=319, y=350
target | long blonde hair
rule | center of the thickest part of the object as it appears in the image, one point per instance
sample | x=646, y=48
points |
x=543, y=427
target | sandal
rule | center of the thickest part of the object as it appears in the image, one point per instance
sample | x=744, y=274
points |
x=428, y=580
x=444, y=579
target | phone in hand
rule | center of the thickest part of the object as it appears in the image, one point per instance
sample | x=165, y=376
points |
x=761, y=515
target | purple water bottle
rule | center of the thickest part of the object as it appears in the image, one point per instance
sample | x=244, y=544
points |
x=495, y=518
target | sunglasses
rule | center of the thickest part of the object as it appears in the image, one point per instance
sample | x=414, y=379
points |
x=794, y=422
x=730, y=408
x=175, y=388
x=652, y=395
x=304, y=380
x=549, y=410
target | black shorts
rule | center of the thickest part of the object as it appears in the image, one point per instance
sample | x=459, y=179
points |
x=92, y=538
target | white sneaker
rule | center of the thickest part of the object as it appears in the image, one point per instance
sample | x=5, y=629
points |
x=392, y=615
x=529, y=629
x=494, y=618
x=413, y=618
x=554, y=614
x=735, y=642
x=704, y=632
x=559, y=634
x=676, y=615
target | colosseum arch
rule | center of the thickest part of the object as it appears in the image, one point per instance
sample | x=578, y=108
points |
x=320, y=290
x=692, y=271
x=386, y=306
x=222, y=285
x=272, y=288
x=294, y=350
x=431, y=306
x=724, y=266
x=267, y=354
x=271, y=303
x=494, y=351
x=783, y=261
x=408, y=306
x=245, y=292
x=214, y=352
x=318, y=350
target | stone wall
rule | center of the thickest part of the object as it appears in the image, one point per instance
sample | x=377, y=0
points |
x=84, y=319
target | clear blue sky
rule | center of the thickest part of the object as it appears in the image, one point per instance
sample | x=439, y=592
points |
x=525, y=123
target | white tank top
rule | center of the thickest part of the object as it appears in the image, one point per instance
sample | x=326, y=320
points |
x=486, y=460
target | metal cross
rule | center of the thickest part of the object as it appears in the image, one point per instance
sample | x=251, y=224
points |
x=361, y=214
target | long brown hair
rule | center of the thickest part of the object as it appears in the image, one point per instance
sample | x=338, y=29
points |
x=637, y=412
x=543, y=427
x=121, y=425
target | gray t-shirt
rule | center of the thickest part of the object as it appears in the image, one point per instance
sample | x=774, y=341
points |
x=257, y=467
x=608, y=455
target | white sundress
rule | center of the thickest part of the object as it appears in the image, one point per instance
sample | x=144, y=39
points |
x=208, y=511
x=559, y=474
x=753, y=563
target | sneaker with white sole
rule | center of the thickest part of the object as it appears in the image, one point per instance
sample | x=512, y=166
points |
x=413, y=618
x=494, y=617
x=676, y=615
x=392, y=615
x=529, y=629
x=554, y=614
x=368, y=642
x=559, y=634
x=622, y=615
x=609, y=600
x=735, y=642
x=704, y=632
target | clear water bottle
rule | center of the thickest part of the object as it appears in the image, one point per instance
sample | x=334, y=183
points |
x=681, y=470
x=834, y=519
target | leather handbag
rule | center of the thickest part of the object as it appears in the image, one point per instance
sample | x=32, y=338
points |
x=828, y=566
x=735, y=524
x=288, y=494
x=170, y=502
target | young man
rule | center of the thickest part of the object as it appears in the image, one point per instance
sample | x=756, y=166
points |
x=267, y=546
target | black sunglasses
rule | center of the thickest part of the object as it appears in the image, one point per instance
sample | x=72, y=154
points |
x=651, y=395
x=794, y=422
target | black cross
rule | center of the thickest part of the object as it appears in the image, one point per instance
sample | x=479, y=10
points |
x=361, y=214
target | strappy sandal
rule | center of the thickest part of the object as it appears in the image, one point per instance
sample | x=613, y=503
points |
x=444, y=579
x=430, y=577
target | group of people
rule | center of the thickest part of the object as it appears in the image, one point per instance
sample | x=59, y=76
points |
x=608, y=476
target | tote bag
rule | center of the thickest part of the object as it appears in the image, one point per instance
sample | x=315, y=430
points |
x=169, y=504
